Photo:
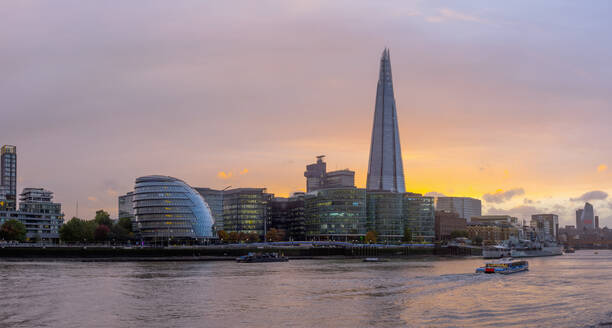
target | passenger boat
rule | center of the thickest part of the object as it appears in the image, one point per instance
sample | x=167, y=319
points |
x=504, y=266
x=260, y=258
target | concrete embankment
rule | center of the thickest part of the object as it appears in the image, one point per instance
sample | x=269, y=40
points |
x=214, y=253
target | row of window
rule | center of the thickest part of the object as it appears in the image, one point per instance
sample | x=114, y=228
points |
x=168, y=195
x=163, y=202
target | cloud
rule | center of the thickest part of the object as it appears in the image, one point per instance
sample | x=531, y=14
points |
x=223, y=175
x=435, y=194
x=602, y=168
x=92, y=198
x=245, y=171
x=501, y=196
x=591, y=195
x=445, y=14
x=523, y=211
x=529, y=201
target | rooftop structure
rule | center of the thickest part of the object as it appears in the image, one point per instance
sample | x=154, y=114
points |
x=317, y=176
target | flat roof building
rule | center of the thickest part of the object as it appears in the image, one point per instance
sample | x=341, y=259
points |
x=465, y=207
x=41, y=216
x=246, y=210
x=546, y=225
x=448, y=222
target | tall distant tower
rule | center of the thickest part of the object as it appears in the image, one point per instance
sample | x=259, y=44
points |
x=588, y=217
x=385, y=170
x=8, y=175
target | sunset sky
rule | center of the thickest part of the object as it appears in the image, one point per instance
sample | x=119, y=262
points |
x=509, y=102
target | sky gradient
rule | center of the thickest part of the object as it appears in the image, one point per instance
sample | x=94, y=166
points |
x=507, y=102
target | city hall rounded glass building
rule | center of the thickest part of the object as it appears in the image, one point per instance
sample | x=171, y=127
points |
x=168, y=209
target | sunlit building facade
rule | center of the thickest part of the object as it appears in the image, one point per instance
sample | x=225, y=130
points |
x=465, y=207
x=167, y=209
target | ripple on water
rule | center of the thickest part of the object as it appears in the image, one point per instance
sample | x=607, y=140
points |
x=556, y=292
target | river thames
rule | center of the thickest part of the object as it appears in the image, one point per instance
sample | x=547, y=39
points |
x=573, y=290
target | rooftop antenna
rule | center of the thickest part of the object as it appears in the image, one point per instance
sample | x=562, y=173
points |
x=77, y=208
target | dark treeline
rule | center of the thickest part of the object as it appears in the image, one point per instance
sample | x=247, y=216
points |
x=101, y=229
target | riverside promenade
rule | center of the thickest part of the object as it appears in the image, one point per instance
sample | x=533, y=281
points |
x=294, y=250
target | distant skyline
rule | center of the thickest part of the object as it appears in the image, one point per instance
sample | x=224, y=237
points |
x=506, y=102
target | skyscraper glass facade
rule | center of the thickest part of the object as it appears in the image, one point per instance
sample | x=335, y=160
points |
x=419, y=216
x=167, y=208
x=385, y=214
x=214, y=199
x=246, y=210
x=335, y=214
x=385, y=169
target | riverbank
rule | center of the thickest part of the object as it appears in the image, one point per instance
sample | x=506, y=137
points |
x=217, y=253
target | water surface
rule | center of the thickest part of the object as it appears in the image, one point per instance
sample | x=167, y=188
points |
x=573, y=290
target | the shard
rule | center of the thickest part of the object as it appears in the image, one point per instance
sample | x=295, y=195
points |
x=385, y=170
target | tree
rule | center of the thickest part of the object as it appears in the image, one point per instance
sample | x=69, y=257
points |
x=477, y=241
x=125, y=223
x=101, y=233
x=407, y=235
x=77, y=230
x=242, y=237
x=119, y=233
x=233, y=237
x=13, y=230
x=253, y=237
x=223, y=236
x=103, y=218
x=272, y=235
x=371, y=237
x=458, y=234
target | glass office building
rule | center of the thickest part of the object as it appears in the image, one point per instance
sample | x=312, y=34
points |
x=167, y=209
x=385, y=215
x=419, y=216
x=335, y=214
x=214, y=199
x=246, y=210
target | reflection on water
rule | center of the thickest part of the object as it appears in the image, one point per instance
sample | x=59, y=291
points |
x=569, y=291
